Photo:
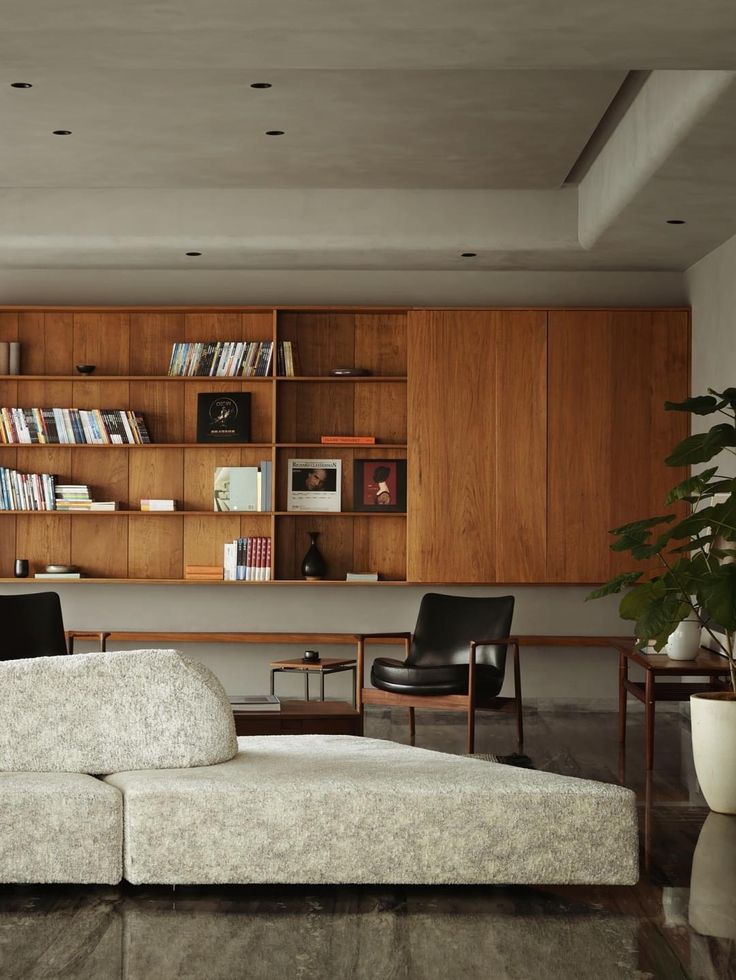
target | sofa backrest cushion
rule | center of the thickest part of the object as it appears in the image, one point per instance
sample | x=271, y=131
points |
x=100, y=713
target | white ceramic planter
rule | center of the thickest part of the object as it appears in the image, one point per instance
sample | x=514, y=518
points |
x=684, y=643
x=712, y=910
x=713, y=723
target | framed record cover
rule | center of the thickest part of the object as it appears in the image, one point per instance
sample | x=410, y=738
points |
x=223, y=416
x=379, y=485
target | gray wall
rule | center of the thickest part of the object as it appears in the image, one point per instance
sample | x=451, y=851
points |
x=564, y=675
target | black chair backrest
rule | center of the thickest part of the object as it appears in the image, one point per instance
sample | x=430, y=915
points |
x=447, y=623
x=31, y=625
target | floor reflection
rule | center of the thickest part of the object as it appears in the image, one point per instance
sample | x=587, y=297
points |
x=679, y=921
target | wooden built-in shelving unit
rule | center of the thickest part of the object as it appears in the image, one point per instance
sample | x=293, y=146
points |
x=527, y=434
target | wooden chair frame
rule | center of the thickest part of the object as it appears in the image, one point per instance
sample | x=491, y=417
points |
x=449, y=702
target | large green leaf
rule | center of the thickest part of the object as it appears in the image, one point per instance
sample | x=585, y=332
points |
x=613, y=585
x=699, y=405
x=693, y=545
x=689, y=526
x=692, y=487
x=728, y=395
x=718, y=596
x=703, y=446
x=644, y=525
x=724, y=518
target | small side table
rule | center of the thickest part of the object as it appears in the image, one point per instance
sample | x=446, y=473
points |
x=327, y=665
x=706, y=664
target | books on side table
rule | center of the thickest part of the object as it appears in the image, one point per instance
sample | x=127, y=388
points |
x=255, y=702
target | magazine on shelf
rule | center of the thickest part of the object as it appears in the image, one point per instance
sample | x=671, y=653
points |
x=255, y=702
x=314, y=485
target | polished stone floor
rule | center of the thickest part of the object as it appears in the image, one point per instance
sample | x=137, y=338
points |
x=678, y=922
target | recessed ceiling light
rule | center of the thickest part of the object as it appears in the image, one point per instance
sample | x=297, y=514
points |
x=274, y=132
x=192, y=253
x=260, y=85
x=62, y=132
x=676, y=221
x=468, y=255
x=21, y=85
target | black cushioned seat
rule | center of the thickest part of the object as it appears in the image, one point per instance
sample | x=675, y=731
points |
x=401, y=677
x=32, y=626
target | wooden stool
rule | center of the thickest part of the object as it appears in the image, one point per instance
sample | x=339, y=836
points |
x=327, y=665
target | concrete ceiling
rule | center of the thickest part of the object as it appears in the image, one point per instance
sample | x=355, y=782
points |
x=412, y=132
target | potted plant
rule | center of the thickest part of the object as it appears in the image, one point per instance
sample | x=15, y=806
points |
x=695, y=584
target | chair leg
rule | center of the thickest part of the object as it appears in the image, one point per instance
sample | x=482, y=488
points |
x=517, y=695
x=412, y=726
x=471, y=728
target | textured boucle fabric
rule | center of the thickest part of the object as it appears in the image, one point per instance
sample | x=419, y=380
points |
x=59, y=827
x=334, y=809
x=104, y=712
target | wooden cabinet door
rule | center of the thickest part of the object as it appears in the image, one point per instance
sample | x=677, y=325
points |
x=477, y=405
x=610, y=373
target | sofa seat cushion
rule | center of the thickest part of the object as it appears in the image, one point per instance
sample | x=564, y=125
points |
x=59, y=827
x=105, y=712
x=341, y=809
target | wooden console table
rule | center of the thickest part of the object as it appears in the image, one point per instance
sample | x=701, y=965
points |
x=706, y=664
x=301, y=718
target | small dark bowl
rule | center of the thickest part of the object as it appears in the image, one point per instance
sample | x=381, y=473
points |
x=85, y=368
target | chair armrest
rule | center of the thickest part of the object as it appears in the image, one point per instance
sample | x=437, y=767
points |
x=360, y=672
x=514, y=640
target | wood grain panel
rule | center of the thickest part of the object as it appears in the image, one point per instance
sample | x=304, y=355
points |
x=45, y=394
x=155, y=546
x=205, y=537
x=8, y=552
x=199, y=475
x=609, y=375
x=101, y=394
x=152, y=337
x=379, y=410
x=44, y=539
x=31, y=337
x=520, y=393
x=56, y=460
x=323, y=340
x=213, y=326
x=103, y=339
x=58, y=333
x=379, y=545
x=162, y=406
x=309, y=410
x=157, y=473
x=463, y=383
x=87, y=531
x=257, y=326
x=105, y=471
x=380, y=342
x=8, y=326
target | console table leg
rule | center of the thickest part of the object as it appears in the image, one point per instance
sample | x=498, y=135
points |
x=622, y=693
x=306, y=685
x=273, y=678
x=649, y=719
x=321, y=685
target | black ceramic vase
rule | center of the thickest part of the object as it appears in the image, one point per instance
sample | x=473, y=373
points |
x=314, y=565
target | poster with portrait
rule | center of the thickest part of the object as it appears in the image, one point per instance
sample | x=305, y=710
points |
x=379, y=485
x=314, y=485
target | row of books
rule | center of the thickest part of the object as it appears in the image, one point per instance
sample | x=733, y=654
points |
x=286, y=359
x=221, y=359
x=26, y=491
x=248, y=560
x=77, y=496
x=72, y=426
